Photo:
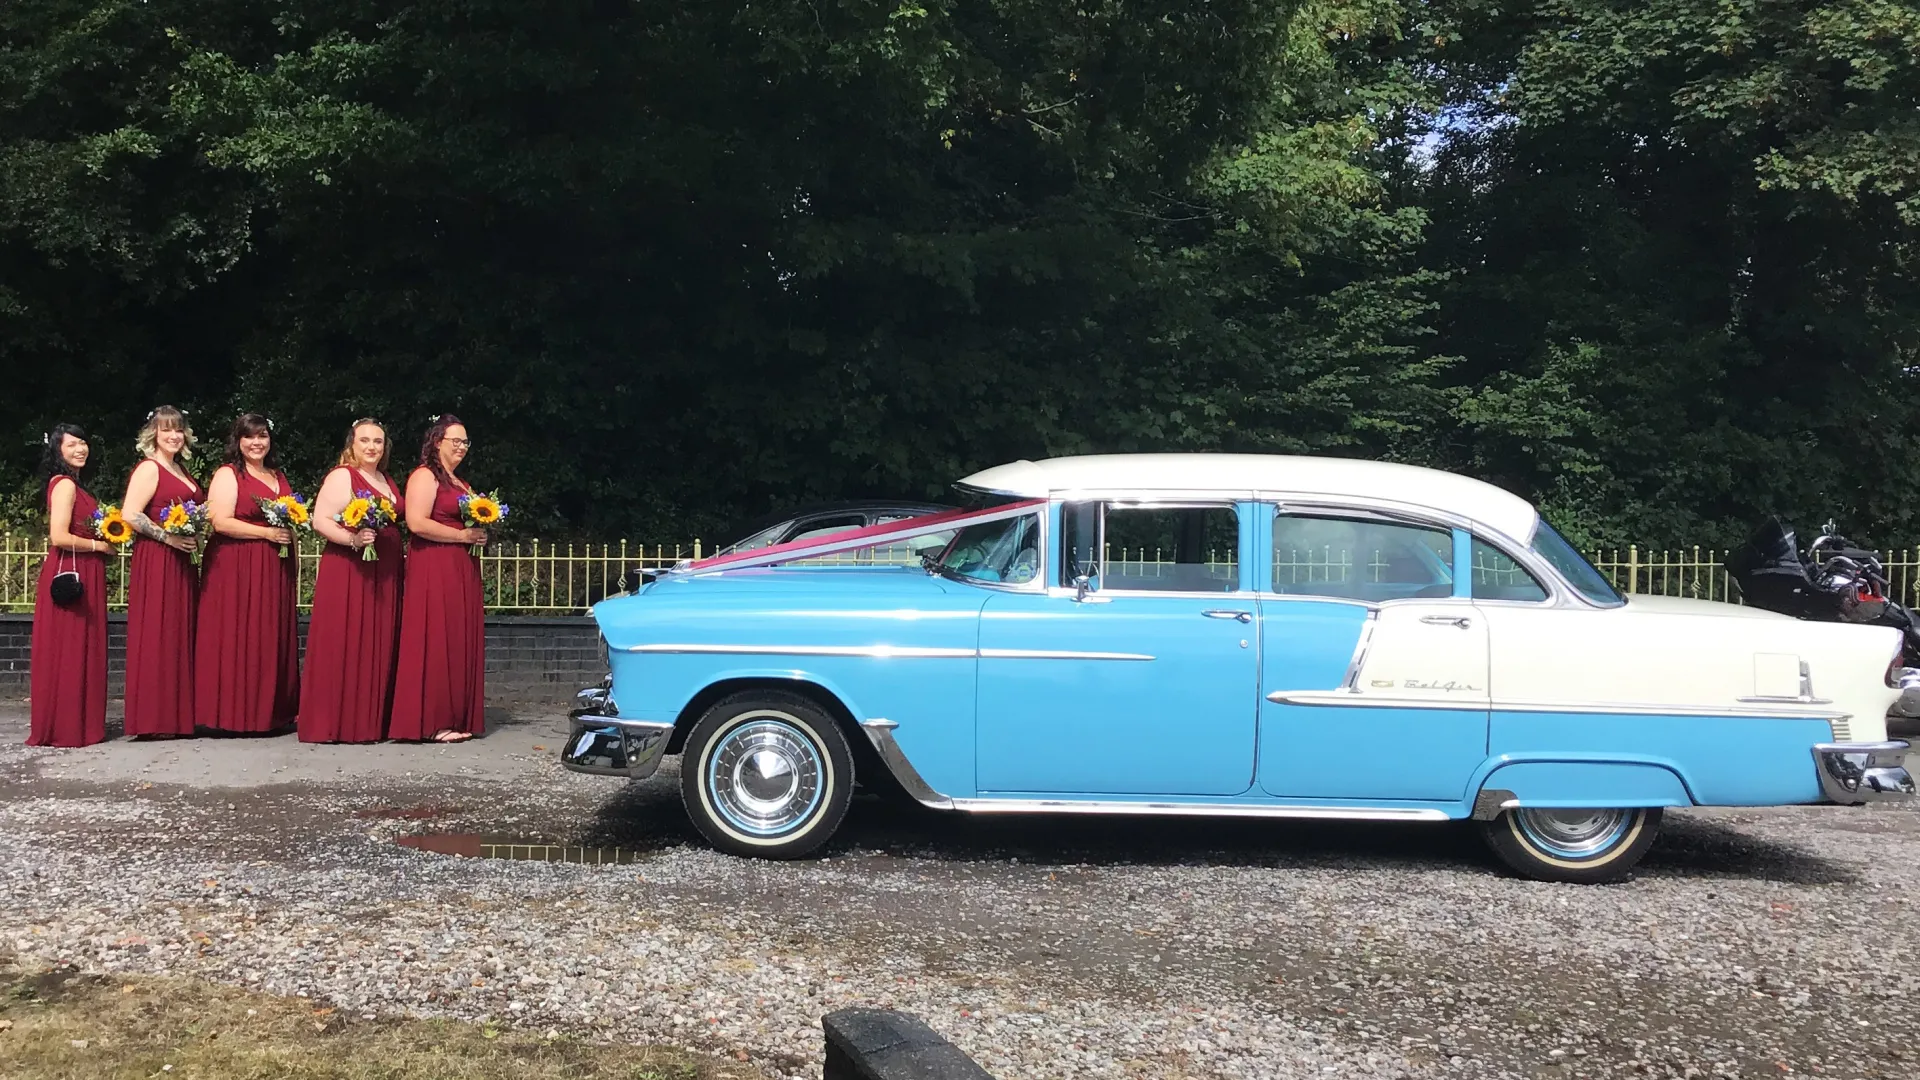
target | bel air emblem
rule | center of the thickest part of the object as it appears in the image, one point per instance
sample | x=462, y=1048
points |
x=1431, y=684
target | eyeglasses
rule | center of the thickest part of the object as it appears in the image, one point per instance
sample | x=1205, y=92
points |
x=461, y=443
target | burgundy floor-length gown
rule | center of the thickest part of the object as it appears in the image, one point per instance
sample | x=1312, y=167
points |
x=246, y=653
x=441, y=684
x=353, y=638
x=162, y=603
x=68, y=677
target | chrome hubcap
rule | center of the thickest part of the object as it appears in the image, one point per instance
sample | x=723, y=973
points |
x=765, y=776
x=1574, y=834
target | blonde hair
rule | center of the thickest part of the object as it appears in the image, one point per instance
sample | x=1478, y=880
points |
x=346, y=452
x=164, y=418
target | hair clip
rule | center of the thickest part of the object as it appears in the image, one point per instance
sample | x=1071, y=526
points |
x=46, y=438
x=150, y=413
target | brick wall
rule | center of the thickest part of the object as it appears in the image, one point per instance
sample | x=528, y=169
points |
x=532, y=663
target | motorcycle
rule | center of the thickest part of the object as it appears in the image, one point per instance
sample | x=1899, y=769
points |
x=1834, y=580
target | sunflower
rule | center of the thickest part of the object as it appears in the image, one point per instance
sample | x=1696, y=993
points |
x=114, y=528
x=296, y=510
x=355, y=515
x=177, y=519
x=482, y=510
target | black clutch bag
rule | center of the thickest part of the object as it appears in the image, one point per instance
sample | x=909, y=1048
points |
x=65, y=588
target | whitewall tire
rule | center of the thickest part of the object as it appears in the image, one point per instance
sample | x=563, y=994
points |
x=766, y=774
x=1589, y=847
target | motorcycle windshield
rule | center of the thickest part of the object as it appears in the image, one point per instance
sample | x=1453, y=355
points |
x=1774, y=542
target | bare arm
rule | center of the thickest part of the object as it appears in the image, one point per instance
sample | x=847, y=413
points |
x=335, y=492
x=223, y=493
x=421, y=489
x=140, y=488
x=61, y=514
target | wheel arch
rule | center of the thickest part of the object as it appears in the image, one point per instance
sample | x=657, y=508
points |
x=814, y=691
x=1564, y=781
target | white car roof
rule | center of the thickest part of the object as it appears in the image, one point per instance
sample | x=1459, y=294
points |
x=1240, y=474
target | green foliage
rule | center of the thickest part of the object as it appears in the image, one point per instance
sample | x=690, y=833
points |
x=1649, y=263
x=1683, y=240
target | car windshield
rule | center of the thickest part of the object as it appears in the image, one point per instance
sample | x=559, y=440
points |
x=1574, y=567
x=1002, y=552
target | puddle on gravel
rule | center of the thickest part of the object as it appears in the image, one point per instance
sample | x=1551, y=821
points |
x=517, y=848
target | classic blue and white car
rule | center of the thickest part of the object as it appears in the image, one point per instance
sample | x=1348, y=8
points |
x=1256, y=636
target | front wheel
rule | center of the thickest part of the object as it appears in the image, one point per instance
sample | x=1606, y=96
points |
x=1586, y=847
x=766, y=774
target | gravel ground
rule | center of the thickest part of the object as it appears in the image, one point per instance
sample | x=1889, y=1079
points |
x=1753, y=943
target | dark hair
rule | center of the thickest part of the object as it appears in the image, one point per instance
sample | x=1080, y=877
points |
x=353, y=429
x=430, y=447
x=53, y=463
x=248, y=425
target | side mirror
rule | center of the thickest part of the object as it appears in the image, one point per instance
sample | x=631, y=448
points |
x=1082, y=585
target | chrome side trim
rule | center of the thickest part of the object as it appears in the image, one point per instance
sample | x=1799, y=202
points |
x=880, y=733
x=877, y=652
x=1058, y=654
x=1351, y=683
x=1351, y=700
x=885, y=652
x=1852, y=773
x=1072, y=806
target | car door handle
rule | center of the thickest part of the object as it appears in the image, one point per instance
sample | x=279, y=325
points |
x=1228, y=613
x=1447, y=620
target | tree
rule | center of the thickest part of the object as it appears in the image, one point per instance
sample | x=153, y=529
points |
x=675, y=264
x=1683, y=237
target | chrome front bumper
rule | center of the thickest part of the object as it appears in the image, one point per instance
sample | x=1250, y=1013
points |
x=1853, y=773
x=603, y=744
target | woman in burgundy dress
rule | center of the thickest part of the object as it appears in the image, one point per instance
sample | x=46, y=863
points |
x=246, y=649
x=347, y=686
x=68, y=677
x=439, y=692
x=165, y=590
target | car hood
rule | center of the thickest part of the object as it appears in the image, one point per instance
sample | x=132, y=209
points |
x=1680, y=605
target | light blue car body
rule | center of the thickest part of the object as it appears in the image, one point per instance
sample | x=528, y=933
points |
x=983, y=698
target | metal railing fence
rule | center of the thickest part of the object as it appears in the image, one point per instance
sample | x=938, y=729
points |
x=538, y=578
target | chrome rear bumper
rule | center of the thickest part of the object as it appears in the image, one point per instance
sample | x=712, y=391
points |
x=603, y=744
x=1853, y=773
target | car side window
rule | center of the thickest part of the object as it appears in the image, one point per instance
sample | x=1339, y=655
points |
x=1361, y=559
x=1170, y=549
x=827, y=527
x=1497, y=577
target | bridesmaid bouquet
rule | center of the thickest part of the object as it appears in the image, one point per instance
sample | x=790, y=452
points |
x=187, y=518
x=286, y=512
x=108, y=525
x=367, y=510
x=481, y=511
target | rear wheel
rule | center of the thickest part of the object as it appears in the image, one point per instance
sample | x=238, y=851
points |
x=1588, y=847
x=766, y=774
